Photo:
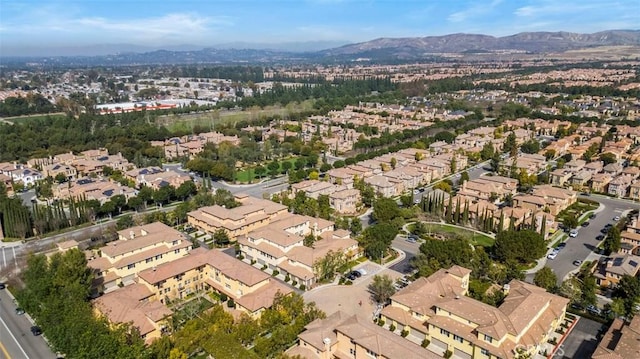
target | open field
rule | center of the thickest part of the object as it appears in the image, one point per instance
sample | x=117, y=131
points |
x=477, y=239
x=186, y=122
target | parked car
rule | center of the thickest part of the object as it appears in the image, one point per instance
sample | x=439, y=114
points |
x=592, y=215
x=593, y=310
x=600, y=237
x=2, y=285
x=361, y=271
x=35, y=330
x=616, y=218
x=577, y=262
x=577, y=306
x=561, y=245
x=351, y=276
x=19, y=311
x=585, y=224
x=573, y=233
x=552, y=255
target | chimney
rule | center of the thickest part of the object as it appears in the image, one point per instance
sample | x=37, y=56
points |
x=132, y=234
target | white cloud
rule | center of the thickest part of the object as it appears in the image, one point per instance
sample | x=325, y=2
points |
x=168, y=27
x=473, y=11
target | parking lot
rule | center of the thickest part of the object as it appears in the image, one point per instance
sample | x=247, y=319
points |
x=351, y=299
x=581, y=341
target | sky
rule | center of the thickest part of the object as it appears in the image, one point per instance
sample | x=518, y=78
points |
x=29, y=24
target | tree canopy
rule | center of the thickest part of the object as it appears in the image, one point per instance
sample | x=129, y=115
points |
x=523, y=246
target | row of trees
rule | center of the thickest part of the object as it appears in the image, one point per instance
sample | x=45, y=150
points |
x=218, y=334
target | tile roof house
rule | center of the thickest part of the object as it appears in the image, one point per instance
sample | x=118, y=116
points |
x=280, y=246
x=621, y=341
x=136, y=249
x=609, y=271
x=131, y=304
x=343, y=336
x=253, y=213
x=436, y=308
x=252, y=290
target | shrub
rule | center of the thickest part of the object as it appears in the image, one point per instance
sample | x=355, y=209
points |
x=447, y=354
x=253, y=261
x=303, y=287
x=287, y=278
x=341, y=281
x=381, y=322
x=552, y=341
x=275, y=273
x=392, y=328
x=264, y=267
x=223, y=297
x=425, y=343
x=404, y=333
x=241, y=257
x=348, y=282
x=231, y=303
x=294, y=283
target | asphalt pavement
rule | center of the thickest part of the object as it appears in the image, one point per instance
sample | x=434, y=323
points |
x=581, y=247
x=16, y=340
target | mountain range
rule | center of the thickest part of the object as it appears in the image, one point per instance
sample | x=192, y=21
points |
x=382, y=49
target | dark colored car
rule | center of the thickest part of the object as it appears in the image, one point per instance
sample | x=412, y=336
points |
x=19, y=311
x=600, y=237
x=604, y=230
x=585, y=224
x=356, y=274
x=2, y=285
x=592, y=215
x=561, y=245
x=35, y=330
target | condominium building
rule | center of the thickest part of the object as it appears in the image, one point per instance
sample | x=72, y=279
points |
x=252, y=290
x=253, y=213
x=137, y=248
x=437, y=309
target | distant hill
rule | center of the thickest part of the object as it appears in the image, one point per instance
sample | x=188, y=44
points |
x=533, y=42
x=383, y=49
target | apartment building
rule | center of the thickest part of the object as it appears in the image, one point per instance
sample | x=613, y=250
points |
x=252, y=290
x=344, y=336
x=133, y=304
x=620, y=341
x=486, y=187
x=280, y=246
x=436, y=308
x=137, y=248
x=346, y=201
x=253, y=213
x=546, y=198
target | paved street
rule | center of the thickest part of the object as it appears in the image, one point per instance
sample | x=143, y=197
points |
x=582, y=246
x=16, y=340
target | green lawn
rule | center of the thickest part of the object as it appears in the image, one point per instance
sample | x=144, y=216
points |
x=249, y=174
x=477, y=239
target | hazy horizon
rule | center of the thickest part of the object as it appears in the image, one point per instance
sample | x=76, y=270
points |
x=62, y=27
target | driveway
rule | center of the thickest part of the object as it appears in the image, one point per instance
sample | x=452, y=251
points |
x=348, y=298
x=581, y=341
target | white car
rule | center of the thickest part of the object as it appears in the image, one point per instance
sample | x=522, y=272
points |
x=552, y=255
x=573, y=233
x=616, y=218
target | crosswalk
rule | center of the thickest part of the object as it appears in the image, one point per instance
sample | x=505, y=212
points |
x=8, y=257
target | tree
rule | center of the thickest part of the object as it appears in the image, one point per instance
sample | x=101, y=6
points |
x=163, y=194
x=377, y=238
x=442, y=185
x=355, y=226
x=613, y=241
x=221, y=237
x=381, y=288
x=260, y=171
x=608, y=158
x=546, y=279
x=531, y=146
x=185, y=190
x=125, y=221
x=309, y=239
x=286, y=166
x=326, y=267
x=385, y=209
x=487, y=151
x=570, y=221
x=523, y=246
x=510, y=145
x=464, y=177
x=273, y=167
